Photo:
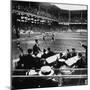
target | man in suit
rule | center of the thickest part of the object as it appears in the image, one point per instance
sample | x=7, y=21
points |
x=81, y=62
x=86, y=53
x=44, y=54
x=36, y=48
x=29, y=61
x=37, y=62
x=50, y=53
x=73, y=53
x=85, y=47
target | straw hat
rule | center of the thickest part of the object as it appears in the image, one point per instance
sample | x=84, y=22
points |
x=46, y=71
x=65, y=70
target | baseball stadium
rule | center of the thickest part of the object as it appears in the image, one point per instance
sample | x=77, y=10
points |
x=48, y=45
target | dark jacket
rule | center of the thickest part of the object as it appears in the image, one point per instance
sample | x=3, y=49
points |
x=85, y=47
x=44, y=56
x=37, y=63
x=36, y=49
x=50, y=53
x=80, y=63
x=73, y=54
x=29, y=62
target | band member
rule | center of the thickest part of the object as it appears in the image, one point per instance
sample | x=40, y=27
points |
x=73, y=52
x=81, y=62
x=50, y=53
x=26, y=61
x=44, y=55
x=36, y=48
x=85, y=47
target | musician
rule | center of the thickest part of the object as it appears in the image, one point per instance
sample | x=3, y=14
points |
x=80, y=63
x=68, y=54
x=36, y=48
x=50, y=53
x=44, y=54
x=73, y=52
x=30, y=61
x=27, y=61
x=85, y=47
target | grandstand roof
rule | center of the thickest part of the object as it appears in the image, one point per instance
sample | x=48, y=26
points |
x=71, y=7
x=61, y=5
x=51, y=11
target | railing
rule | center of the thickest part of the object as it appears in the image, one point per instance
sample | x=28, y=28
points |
x=60, y=72
x=78, y=76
